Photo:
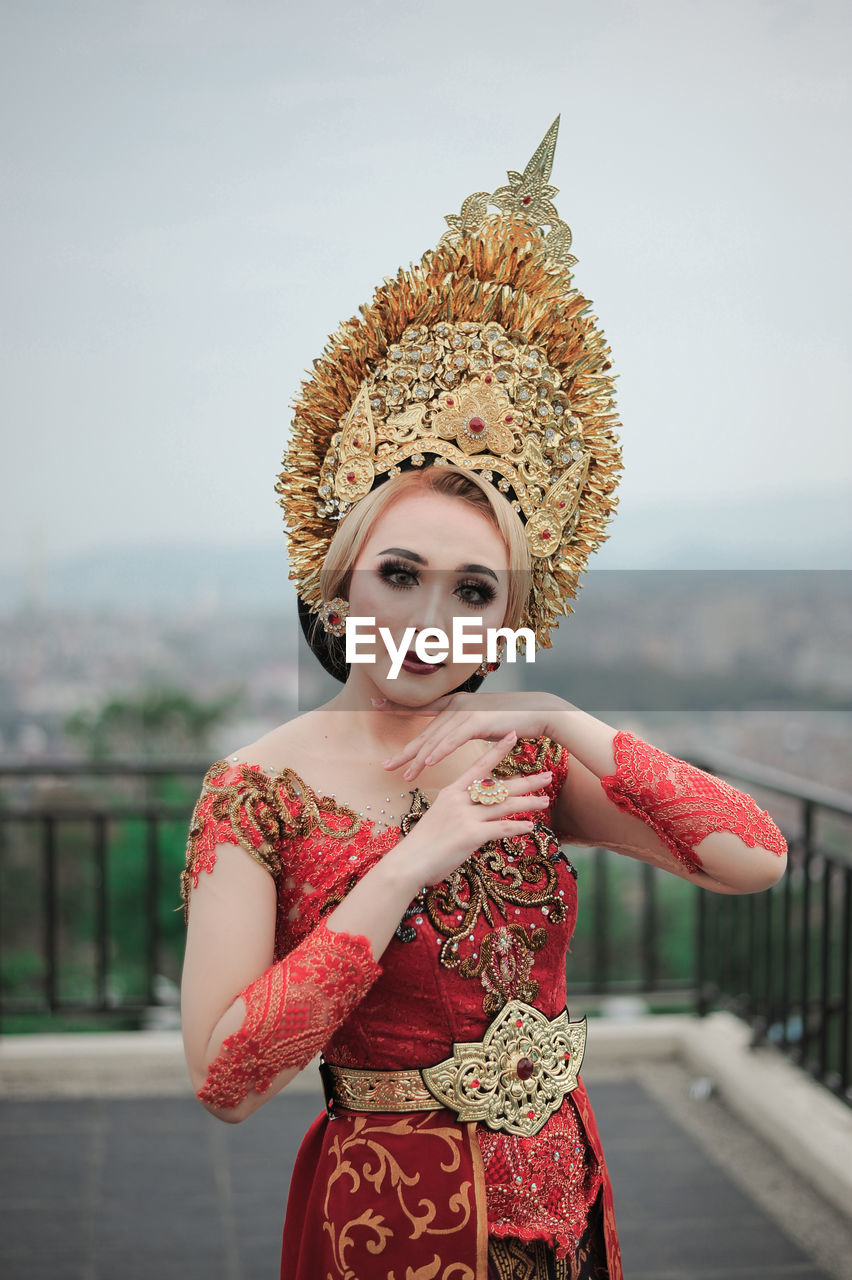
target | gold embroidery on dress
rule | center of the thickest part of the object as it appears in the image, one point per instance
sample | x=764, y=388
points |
x=360, y=1154
x=516, y=761
x=419, y=805
x=255, y=805
x=334, y=899
x=513, y=1259
x=487, y=879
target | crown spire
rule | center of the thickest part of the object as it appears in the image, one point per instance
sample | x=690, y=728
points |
x=528, y=196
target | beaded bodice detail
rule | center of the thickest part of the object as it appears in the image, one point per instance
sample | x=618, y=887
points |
x=487, y=921
x=382, y=818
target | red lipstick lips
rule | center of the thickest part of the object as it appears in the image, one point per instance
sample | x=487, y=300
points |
x=413, y=664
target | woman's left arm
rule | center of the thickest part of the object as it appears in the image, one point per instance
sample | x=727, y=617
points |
x=622, y=793
x=618, y=791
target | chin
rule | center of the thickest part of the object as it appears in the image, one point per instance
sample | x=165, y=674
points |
x=418, y=690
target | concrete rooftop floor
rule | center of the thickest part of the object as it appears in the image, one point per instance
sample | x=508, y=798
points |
x=101, y=1188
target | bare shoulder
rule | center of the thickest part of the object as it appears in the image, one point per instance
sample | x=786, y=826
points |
x=290, y=745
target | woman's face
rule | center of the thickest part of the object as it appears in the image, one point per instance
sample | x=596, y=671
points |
x=428, y=559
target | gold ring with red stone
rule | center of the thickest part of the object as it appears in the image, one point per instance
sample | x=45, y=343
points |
x=487, y=791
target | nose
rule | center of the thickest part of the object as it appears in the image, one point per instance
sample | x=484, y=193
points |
x=435, y=605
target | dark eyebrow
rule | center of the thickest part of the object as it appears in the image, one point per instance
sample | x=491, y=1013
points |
x=418, y=559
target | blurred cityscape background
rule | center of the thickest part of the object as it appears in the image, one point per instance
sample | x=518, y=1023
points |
x=737, y=635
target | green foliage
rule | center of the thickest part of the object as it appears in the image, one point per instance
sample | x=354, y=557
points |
x=37, y=1023
x=142, y=863
x=609, y=947
x=155, y=723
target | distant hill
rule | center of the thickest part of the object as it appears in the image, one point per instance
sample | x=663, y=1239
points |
x=786, y=531
x=783, y=532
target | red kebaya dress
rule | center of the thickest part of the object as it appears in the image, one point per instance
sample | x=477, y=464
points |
x=419, y=1195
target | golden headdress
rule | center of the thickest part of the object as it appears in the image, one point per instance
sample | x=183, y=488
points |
x=483, y=355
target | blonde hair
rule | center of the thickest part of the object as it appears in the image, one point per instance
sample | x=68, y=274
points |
x=354, y=529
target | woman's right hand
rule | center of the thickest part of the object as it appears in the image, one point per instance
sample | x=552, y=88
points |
x=453, y=826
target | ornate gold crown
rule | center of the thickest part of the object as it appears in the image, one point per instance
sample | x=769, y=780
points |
x=483, y=355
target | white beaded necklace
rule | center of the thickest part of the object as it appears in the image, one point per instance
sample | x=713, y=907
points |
x=362, y=813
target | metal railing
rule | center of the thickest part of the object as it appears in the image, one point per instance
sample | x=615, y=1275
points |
x=782, y=960
x=89, y=885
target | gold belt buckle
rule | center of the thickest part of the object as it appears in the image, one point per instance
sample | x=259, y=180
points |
x=517, y=1075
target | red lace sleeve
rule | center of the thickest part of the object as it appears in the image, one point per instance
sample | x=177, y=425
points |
x=292, y=1010
x=682, y=803
x=237, y=805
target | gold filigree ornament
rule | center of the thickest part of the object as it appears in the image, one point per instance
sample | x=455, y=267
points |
x=517, y=1075
x=483, y=355
x=512, y=1080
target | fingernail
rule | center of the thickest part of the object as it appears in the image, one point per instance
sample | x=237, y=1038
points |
x=510, y=734
x=429, y=760
x=407, y=773
x=388, y=760
x=378, y=702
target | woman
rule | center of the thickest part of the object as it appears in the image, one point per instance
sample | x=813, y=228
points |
x=404, y=907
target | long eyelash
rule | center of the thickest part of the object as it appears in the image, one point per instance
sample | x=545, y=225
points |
x=389, y=567
x=485, y=589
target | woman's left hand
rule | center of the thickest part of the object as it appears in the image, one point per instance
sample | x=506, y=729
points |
x=463, y=717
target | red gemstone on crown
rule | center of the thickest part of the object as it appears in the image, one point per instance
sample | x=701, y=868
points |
x=488, y=377
x=545, y=533
x=509, y=417
x=357, y=442
x=526, y=199
x=334, y=618
x=474, y=1084
x=525, y=1068
x=477, y=425
x=350, y=476
x=450, y=400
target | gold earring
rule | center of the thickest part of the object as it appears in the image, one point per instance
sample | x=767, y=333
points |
x=485, y=668
x=334, y=614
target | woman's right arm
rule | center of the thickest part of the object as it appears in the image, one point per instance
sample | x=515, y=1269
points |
x=229, y=941
x=250, y=1025
x=283, y=1016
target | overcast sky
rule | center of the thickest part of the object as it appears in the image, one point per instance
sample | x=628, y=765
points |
x=196, y=194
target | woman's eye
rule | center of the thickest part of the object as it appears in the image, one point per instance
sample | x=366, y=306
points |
x=390, y=573
x=482, y=593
